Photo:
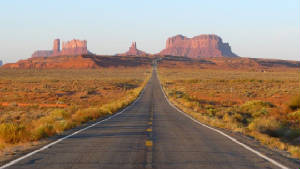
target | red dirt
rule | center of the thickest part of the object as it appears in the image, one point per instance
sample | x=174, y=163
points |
x=28, y=104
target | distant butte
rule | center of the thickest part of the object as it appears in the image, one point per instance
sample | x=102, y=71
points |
x=74, y=47
x=133, y=51
x=199, y=46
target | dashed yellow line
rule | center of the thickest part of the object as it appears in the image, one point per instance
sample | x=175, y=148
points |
x=148, y=143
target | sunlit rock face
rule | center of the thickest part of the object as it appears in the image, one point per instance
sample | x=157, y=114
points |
x=70, y=48
x=133, y=51
x=198, y=46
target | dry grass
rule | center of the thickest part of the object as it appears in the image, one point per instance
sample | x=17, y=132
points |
x=259, y=104
x=36, y=104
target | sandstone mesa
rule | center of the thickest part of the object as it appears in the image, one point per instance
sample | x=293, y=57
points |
x=208, y=51
x=199, y=46
x=70, y=48
x=205, y=45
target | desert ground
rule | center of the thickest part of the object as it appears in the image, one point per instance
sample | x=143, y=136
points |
x=36, y=104
x=261, y=104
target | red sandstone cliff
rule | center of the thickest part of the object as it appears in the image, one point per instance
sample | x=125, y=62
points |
x=133, y=51
x=70, y=48
x=198, y=46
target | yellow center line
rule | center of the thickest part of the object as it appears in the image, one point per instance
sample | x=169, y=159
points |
x=149, y=129
x=148, y=143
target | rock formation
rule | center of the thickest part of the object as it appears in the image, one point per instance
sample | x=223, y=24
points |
x=74, y=47
x=198, y=46
x=56, y=46
x=70, y=48
x=42, y=53
x=230, y=63
x=78, y=62
x=133, y=51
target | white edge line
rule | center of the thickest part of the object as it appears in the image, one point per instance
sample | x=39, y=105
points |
x=231, y=138
x=74, y=133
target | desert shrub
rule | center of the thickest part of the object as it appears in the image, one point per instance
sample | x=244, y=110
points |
x=211, y=111
x=238, y=117
x=274, y=128
x=54, y=115
x=132, y=84
x=256, y=108
x=62, y=125
x=91, y=113
x=264, y=124
x=43, y=131
x=176, y=94
x=72, y=109
x=227, y=118
x=249, y=111
x=12, y=132
x=294, y=103
x=59, y=114
x=295, y=151
x=294, y=117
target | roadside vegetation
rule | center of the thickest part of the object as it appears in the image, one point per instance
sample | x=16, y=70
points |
x=36, y=104
x=263, y=105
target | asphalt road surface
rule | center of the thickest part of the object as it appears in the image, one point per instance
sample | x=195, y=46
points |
x=149, y=134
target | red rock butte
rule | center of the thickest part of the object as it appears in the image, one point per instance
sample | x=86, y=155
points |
x=69, y=48
x=133, y=51
x=198, y=46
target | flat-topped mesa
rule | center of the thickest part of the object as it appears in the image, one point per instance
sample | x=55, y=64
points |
x=74, y=47
x=69, y=48
x=75, y=43
x=199, y=46
x=133, y=51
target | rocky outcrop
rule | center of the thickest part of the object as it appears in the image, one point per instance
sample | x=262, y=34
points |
x=133, y=51
x=230, y=63
x=42, y=53
x=198, y=46
x=74, y=47
x=56, y=47
x=71, y=48
x=78, y=62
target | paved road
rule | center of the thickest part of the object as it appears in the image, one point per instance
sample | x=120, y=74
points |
x=150, y=134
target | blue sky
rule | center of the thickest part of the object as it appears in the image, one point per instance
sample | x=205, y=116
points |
x=254, y=28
